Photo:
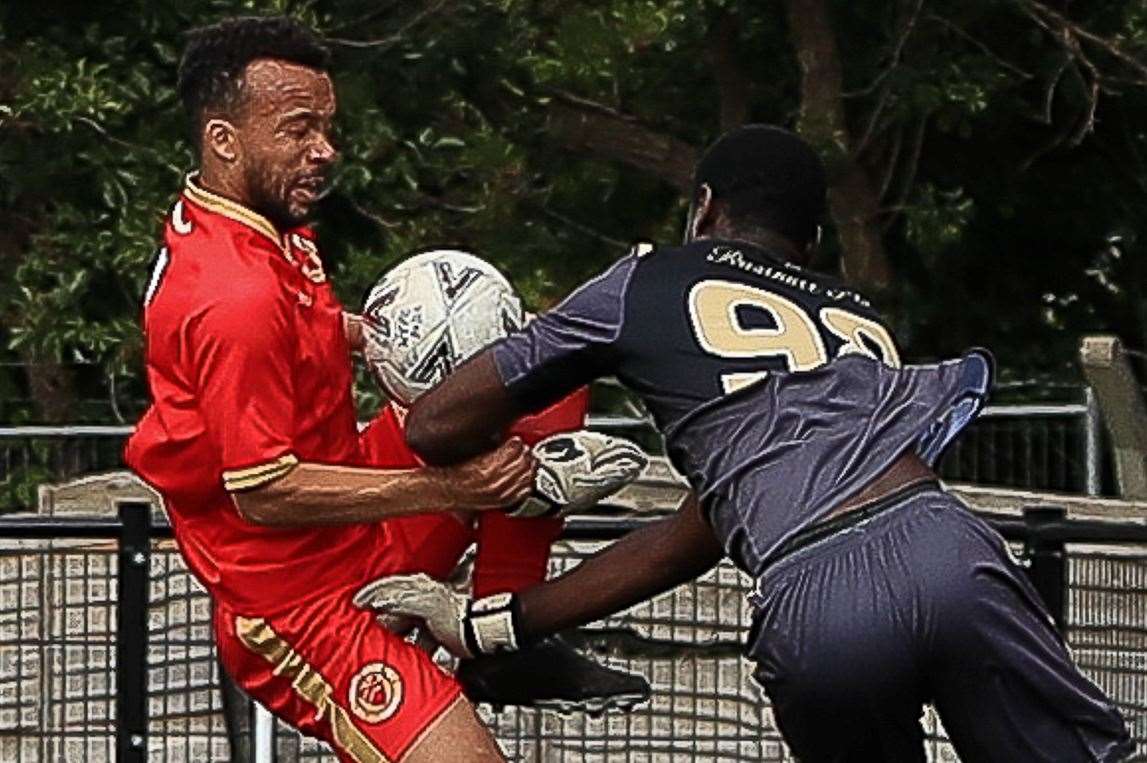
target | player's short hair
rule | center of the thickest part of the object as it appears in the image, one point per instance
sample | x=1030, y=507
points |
x=211, y=70
x=767, y=177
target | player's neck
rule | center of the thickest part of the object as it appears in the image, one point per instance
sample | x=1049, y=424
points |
x=224, y=184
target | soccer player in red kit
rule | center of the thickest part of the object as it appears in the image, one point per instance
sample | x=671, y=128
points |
x=512, y=554
x=251, y=437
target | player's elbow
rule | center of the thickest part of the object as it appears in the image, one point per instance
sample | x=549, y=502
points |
x=430, y=438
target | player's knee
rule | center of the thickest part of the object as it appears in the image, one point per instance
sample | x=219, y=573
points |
x=457, y=736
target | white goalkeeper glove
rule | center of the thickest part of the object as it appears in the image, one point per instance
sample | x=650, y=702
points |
x=465, y=627
x=578, y=469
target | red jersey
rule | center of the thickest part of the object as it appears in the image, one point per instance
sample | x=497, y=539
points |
x=250, y=373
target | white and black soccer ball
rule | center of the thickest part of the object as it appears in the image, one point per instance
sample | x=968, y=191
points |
x=430, y=314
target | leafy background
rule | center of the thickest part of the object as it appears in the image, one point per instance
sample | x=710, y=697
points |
x=989, y=181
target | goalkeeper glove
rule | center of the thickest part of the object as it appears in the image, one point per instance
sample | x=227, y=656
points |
x=578, y=469
x=465, y=627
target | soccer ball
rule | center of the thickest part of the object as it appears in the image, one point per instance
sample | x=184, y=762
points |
x=430, y=314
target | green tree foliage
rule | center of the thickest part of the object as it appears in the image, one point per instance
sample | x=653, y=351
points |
x=994, y=149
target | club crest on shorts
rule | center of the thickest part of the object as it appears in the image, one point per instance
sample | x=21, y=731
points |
x=375, y=692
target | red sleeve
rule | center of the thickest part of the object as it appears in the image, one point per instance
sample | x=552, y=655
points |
x=565, y=415
x=242, y=352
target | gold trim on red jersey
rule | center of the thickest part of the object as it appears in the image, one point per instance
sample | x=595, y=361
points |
x=259, y=637
x=232, y=210
x=254, y=476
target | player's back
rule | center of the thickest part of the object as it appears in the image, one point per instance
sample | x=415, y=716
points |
x=775, y=386
x=710, y=318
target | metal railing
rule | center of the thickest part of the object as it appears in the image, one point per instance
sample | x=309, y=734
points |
x=161, y=695
x=1037, y=447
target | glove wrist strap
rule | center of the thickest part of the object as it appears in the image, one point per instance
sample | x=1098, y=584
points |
x=492, y=624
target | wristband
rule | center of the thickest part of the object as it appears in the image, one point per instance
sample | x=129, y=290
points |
x=492, y=624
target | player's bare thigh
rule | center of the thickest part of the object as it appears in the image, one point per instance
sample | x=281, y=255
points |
x=456, y=736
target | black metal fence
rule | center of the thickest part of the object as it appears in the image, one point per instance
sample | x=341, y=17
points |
x=107, y=649
x=1035, y=447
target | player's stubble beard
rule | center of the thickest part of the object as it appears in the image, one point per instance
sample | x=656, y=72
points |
x=270, y=193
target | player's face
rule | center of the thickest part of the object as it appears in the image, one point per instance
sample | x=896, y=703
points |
x=285, y=131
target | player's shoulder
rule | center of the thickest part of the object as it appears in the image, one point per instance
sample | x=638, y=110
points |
x=217, y=246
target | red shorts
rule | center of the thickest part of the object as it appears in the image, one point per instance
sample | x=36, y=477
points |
x=330, y=670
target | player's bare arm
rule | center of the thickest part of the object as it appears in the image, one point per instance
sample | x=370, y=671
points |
x=352, y=327
x=468, y=413
x=655, y=558
x=322, y=494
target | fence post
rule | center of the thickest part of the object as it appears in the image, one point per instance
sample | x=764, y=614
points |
x=131, y=631
x=1048, y=561
x=1092, y=455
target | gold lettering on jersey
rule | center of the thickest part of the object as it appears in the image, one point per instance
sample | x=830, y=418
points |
x=791, y=275
x=854, y=329
x=312, y=266
x=713, y=312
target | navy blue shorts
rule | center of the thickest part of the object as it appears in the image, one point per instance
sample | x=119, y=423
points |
x=921, y=603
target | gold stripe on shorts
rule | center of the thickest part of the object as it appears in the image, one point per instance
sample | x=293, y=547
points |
x=258, y=636
x=252, y=477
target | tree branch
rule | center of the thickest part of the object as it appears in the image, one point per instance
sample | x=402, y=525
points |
x=390, y=41
x=588, y=127
x=1071, y=34
x=583, y=229
x=971, y=40
x=897, y=53
x=908, y=175
x=102, y=131
x=893, y=160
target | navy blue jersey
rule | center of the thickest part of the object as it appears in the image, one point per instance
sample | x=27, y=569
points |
x=779, y=390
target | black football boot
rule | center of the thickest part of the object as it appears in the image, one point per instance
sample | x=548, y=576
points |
x=550, y=674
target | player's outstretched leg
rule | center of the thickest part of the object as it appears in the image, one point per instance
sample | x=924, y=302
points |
x=833, y=647
x=1006, y=687
x=514, y=554
x=333, y=672
x=458, y=736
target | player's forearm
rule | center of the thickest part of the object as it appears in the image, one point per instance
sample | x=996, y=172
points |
x=644, y=563
x=321, y=494
x=467, y=414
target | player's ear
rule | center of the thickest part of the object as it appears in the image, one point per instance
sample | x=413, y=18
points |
x=221, y=139
x=702, y=212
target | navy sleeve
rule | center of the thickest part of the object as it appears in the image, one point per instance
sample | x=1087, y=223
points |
x=569, y=346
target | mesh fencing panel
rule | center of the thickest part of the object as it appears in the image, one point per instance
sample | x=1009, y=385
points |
x=57, y=651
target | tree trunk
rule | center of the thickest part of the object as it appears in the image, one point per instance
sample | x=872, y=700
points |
x=852, y=197
x=733, y=85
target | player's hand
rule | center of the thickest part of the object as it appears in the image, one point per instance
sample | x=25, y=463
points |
x=578, y=469
x=355, y=327
x=503, y=477
x=464, y=627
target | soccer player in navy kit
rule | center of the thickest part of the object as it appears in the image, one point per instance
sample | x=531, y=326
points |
x=810, y=451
